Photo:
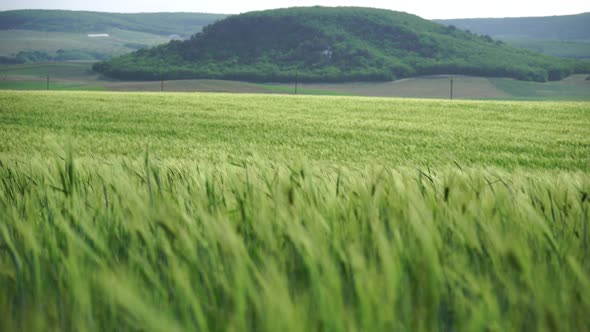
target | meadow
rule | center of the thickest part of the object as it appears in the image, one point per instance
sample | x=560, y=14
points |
x=247, y=212
x=120, y=42
x=79, y=76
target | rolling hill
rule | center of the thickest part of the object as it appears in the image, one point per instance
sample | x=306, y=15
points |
x=565, y=36
x=88, y=22
x=42, y=35
x=567, y=27
x=326, y=44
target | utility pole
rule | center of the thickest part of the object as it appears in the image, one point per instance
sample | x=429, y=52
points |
x=296, y=81
x=451, y=80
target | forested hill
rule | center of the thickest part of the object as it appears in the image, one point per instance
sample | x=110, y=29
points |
x=77, y=21
x=568, y=27
x=333, y=44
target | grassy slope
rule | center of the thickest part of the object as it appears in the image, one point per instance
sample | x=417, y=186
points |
x=421, y=87
x=14, y=41
x=32, y=76
x=49, y=31
x=575, y=87
x=162, y=24
x=275, y=213
x=79, y=76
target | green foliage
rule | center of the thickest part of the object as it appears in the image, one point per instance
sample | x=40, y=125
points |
x=582, y=66
x=88, y=22
x=137, y=46
x=402, y=216
x=60, y=55
x=33, y=56
x=332, y=44
x=10, y=61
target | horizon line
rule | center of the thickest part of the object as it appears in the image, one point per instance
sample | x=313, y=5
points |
x=229, y=14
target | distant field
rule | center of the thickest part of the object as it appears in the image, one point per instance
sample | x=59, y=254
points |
x=42, y=85
x=163, y=24
x=216, y=212
x=563, y=36
x=214, y=86
x=81, y=71
x=423, y=87
x=50, y=31
x=119, y=42
x=560, y=48
x=576, y=87
x=78, y=75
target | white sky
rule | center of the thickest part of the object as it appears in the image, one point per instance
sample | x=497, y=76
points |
x=429, y=9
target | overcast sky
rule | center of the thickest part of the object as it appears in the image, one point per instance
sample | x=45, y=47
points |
x=426, y=8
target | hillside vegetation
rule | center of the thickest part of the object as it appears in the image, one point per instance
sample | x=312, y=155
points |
x=563, y=36
x=333, y=44
x=202, y=212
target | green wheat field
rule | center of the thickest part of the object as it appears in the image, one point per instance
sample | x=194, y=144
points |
x=230, y=212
